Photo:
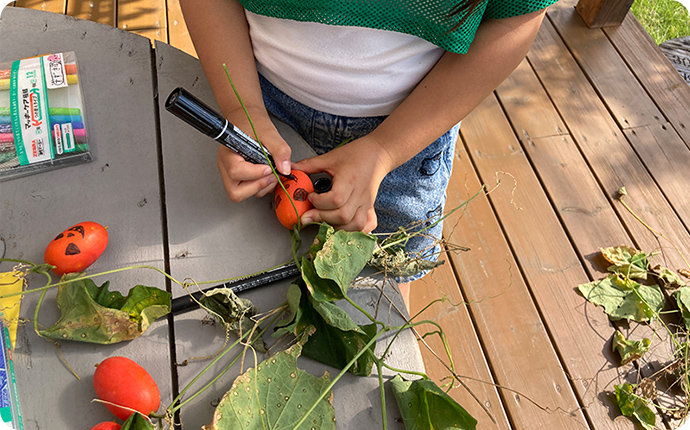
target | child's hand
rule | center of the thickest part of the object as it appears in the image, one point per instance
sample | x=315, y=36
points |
x=357, y=169
x=243, y=179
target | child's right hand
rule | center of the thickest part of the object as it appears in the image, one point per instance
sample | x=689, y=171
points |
x=243, y=179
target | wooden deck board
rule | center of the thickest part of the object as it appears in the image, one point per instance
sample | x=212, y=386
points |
x=517, y=345
x=589, y=111
x=467, y=353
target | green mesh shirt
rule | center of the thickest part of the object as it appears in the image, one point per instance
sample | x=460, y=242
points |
x=427, y=19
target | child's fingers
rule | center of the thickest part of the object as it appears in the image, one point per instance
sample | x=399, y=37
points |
x=362, y=219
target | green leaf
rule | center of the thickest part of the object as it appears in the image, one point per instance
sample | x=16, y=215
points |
x=343, y=256
x=628, y=262
x=682, y=297
x=321, y=289
x=287, y=325
x=89, y=313
x=276, y=394
x=634, y=406
x=336, y=338
x=235, y=313
x=425, y=406
x=624, y=298
x=335, y=316
x=629, y=350
x=137, y=421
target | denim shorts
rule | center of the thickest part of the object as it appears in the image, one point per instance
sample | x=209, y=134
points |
x=411, y=196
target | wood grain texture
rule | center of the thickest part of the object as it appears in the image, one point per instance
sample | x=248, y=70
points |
x=603, y=13
x=451, y=313
x=56, y=6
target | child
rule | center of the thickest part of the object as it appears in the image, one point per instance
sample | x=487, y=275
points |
x=396, y=76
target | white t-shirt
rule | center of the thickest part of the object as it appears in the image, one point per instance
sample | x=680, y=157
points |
x=349, y=71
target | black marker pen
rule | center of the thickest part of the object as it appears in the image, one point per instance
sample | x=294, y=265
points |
x=199, y=115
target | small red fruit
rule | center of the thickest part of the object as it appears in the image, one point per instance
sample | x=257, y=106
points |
x=76, y=248
x=123, y=382
x=107, y=425
x=299, y=190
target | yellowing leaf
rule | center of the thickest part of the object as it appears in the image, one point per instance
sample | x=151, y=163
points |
x=634, y=406
x=624, y=298
x=10, y=283
x=629, y=350
x=628, y=262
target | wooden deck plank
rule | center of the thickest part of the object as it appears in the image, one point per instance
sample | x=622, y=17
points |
x=666, y=156
x=616, y=84
x=56, y=6
x=98, y=11
x=656, y=73
x=508, y=323
x=529, y=108
x=545, y=255
x=613, y=160
x=146, y=18
x=591, y=223
x=453, y=316
x=178, y=35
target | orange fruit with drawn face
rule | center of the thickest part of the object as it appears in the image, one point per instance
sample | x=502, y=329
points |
x=298, y=190
x=76, y=248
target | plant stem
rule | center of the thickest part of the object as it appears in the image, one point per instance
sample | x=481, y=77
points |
x=449, y=213
x=382, y=393
x=263, y=149
x=40, y=302
x=363, y=311
x=172, y=409
x=406, y=371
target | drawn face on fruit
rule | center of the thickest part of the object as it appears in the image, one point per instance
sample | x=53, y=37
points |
x=298, y=189
x=76, y=248
x=71, y=238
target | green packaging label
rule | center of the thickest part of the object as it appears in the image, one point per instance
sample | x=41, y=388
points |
x=29, y=106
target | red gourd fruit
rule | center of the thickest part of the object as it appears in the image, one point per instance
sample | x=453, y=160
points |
x=76, y=248
x=298, y=189
x=106, y=425
x=121, y=381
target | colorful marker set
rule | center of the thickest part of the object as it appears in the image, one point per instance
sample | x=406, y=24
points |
x=42, y=121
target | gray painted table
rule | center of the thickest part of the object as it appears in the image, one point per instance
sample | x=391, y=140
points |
x=154, y=183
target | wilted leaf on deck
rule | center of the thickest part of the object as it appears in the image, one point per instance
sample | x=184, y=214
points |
x=424, y=405
x=668, y=279
x=629, y=350
x=235, y=313
x=624, y=298
x=627, y=261
x=94, y=314
x=275, y=395
x=632, y=405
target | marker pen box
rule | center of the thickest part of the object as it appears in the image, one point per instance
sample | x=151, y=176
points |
x=42, y=118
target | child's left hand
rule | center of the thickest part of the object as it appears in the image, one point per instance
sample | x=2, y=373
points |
x=357, y=169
